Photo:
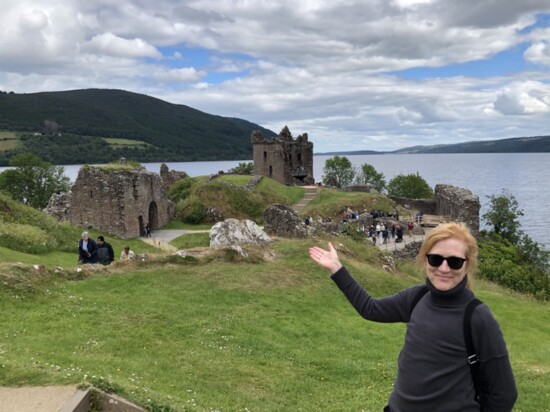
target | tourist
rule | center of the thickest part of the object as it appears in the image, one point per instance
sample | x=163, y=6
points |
x=87, y=249
x=127, y=254
x=410, y=226
x=399, y=234
x=433, y=373
x=105, y=252
x=147, y=230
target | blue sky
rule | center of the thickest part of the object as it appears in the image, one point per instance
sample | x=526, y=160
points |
x=354, y=75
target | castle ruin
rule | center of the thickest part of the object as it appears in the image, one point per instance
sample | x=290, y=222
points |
x=116, y=201
x=284, y=159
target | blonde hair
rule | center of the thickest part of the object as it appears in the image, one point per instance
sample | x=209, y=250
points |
x=445, y=231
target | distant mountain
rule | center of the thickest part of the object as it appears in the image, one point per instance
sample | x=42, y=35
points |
x=70, y=127
x=512, y=145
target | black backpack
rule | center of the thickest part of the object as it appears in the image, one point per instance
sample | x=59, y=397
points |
x=473, y=357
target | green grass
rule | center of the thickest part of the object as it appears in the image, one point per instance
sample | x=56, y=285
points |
x=191, y=240
x=238, y=180
x=273, y=336
x=331, y=202
x=8, y=141
x=179, y=225
x=121, y=143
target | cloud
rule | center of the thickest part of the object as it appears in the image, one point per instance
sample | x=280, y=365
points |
x=538, y=53
x=319, y=66
x=112, y=45
x=523, y=98
x=182, y=75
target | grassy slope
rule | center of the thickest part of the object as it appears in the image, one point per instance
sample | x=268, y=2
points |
x=237, y=336
x=227, y=335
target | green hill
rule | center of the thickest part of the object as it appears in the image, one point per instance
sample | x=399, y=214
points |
x=512, y=145
x=71, y=127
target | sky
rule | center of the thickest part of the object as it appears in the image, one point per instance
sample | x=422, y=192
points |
x=354, y=75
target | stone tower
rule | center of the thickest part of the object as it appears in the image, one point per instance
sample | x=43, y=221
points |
x=117, y=201
x=284, y=159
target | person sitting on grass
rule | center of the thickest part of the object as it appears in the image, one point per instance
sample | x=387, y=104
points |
x=105, y=252
x=87, y=249
x=127, y=254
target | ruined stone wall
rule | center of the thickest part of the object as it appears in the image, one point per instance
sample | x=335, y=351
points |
x=459, y=204
x=169, y=177
x=119, y=202
x=284, y=159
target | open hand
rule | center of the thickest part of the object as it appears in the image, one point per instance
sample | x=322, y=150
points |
x=326, y=258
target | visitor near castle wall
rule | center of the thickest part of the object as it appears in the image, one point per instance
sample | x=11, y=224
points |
x=127, y=254
x=105, y=252
x=433, y=371
x=87, y=249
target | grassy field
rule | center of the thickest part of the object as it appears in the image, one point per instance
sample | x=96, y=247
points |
x=223, y=333
x=8, y=141
x=116, y=142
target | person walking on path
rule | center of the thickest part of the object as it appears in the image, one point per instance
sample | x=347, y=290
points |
x=433, y=372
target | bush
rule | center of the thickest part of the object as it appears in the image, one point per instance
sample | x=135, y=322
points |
x=26, y=238
x=191, y=210
x=504, y=263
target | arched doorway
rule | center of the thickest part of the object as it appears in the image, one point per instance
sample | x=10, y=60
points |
x=153, y=215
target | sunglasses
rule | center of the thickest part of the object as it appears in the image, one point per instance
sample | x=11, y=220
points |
x=454, y=262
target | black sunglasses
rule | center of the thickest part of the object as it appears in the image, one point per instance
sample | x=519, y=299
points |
x=454, y=262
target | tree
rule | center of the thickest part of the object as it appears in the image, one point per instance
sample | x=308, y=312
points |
x=503, y=216
x=368, y=175
x=242, y=169
x=338, y=172
x=32, y=180
x=411, y=186
x=507, y=255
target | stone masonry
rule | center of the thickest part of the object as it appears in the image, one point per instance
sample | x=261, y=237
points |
x=460, y=204
x=284, y=159
x=116, y=201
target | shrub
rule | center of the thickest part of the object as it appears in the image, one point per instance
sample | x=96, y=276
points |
x=502, y=262
x=191, y=210
x=26, y=238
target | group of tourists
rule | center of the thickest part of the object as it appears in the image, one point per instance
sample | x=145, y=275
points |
x=100, y=251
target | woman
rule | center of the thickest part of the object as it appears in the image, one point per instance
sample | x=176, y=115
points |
x=127, y=254
x=433, y=372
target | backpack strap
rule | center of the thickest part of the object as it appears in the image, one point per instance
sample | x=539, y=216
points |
x=473, y=357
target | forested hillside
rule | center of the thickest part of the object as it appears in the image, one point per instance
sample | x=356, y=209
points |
x=97, y=125
x=512, y=145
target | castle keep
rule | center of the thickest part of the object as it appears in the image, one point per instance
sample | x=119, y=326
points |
x=284, y=159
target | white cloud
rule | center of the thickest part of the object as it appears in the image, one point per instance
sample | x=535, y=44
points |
x=183, y=75
x=523, y=98
x=112, y=45
x=318, y=66
x=538, y=53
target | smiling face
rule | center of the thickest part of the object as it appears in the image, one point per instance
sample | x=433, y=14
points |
x=444, y=278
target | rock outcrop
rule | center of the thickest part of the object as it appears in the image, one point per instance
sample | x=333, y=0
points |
x=234, y=232
x=282, y=220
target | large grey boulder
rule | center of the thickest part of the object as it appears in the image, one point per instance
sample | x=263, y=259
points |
x=234, y=232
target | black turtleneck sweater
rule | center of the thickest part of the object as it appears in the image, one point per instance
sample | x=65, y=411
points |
x=433, y=374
